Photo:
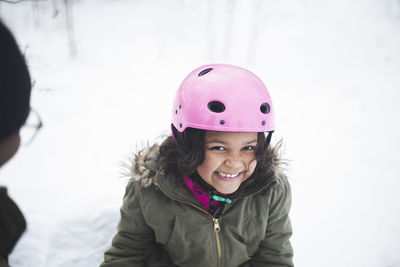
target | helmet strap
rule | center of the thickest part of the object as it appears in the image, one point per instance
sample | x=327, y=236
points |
x=180, y=141
x=268, y=139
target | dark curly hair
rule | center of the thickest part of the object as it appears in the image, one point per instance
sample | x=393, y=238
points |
x=184, y=153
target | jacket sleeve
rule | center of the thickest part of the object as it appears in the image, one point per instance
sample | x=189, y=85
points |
x=134, y=242
x=275, y=249
x=3, y=262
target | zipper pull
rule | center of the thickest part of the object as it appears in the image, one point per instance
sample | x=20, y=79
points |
x=216, y=225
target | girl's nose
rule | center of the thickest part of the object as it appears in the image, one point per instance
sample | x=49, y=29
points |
x=234, y=161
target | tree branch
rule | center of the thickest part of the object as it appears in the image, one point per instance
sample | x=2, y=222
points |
x=19, y=1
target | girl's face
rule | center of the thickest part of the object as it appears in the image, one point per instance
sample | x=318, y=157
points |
x=229, y=159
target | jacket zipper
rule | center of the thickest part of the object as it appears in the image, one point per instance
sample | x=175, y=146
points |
x=216, y=230
x=215, y=221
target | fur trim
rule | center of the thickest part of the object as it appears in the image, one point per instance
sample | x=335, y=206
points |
x=278, y=165
x=144, y=166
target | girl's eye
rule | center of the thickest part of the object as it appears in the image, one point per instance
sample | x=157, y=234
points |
x=249, y=148
x=218, y=148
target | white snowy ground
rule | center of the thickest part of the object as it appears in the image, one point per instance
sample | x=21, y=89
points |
x=333, y=71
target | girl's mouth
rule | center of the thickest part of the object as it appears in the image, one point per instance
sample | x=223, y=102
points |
x=227, y=177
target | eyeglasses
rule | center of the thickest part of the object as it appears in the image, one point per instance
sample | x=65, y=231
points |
x=31, y=128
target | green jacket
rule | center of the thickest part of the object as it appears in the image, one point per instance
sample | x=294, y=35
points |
x=162, y=223
x=3, y=262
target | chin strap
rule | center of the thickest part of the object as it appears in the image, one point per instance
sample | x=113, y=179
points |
x=180, y=140
x=268, y=139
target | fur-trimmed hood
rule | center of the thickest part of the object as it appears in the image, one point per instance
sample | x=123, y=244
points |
x=145, y=166
x=162, y=223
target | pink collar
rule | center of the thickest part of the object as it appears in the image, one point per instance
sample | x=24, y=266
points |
x=200, y=194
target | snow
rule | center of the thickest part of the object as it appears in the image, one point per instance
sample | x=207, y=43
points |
x=332, y=69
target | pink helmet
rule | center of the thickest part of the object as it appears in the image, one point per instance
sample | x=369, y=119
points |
x=221, y=97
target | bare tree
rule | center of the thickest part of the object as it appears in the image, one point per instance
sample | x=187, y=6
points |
x=55, y=8
x=209, y=28
x=35, y=12
x=70, y=27
x=255, y=32
x=19, y=1
x=229, y=29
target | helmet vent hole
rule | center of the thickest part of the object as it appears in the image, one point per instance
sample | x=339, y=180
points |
x=216, y=106
x=265, y=108
x=203, y=72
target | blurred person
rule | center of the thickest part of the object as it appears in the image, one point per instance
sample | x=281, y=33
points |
x=15, y=91
x=214, y=192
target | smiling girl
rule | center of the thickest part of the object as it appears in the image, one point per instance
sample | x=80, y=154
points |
x=213, y=193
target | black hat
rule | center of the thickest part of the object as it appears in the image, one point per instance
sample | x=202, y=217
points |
x=15, y=85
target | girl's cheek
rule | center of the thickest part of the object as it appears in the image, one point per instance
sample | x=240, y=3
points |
x=252, y=165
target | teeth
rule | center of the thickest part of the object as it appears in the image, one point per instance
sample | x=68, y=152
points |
x=227, y=175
